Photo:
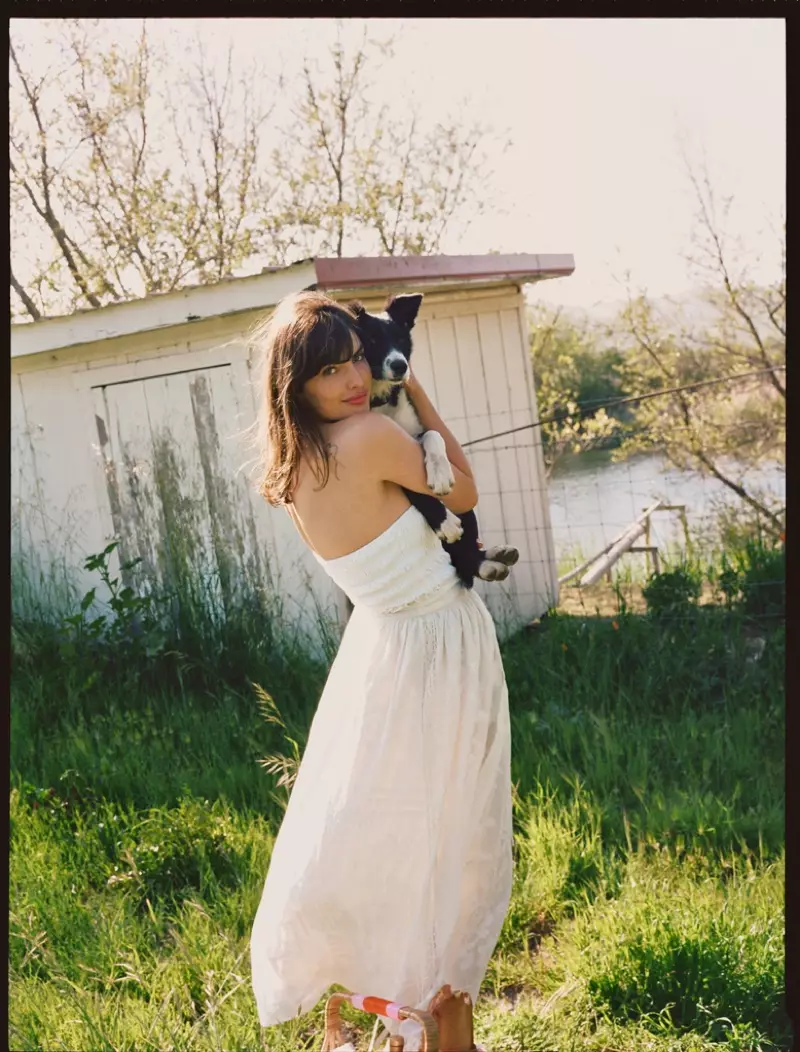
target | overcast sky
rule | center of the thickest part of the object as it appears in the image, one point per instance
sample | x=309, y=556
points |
x=595, y=111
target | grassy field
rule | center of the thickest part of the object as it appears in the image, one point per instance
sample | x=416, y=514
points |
x=647, y=911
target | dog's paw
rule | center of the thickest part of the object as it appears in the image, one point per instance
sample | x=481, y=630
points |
x=489, y=570
x=451, y=529
x=503, y=553
x=438, y=469
x=439, y=473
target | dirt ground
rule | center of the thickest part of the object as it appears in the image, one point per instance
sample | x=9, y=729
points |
x=600, y=600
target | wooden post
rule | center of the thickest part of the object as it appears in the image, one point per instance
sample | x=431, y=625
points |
x=647, y=545
x=681, y=510
x=656, y=561
x=604, y=564
x=650, y=550
x=584, y=565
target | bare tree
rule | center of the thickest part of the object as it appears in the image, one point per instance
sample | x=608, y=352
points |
x=36, y=177
x=135, y=225
x=721, y=430
x=231, y=191
x=752, y=318
x=103, y=212
x=355, y=175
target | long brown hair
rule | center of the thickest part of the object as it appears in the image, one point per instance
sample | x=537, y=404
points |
x=306, y=332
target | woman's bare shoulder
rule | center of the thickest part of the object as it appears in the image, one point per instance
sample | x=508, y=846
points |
x=356, y=429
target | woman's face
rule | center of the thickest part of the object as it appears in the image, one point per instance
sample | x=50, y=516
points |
x=342, y=389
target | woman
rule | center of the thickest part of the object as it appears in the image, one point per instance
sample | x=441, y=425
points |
x=391, y=873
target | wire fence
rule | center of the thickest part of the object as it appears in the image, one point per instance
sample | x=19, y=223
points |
x=697, y=533
x=592, y=507
x=592, y=405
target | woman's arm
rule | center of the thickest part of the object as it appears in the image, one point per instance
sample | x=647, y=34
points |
x=383, y=449
x=431, y=421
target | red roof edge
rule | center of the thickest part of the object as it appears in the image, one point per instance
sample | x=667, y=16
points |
x=355, y=271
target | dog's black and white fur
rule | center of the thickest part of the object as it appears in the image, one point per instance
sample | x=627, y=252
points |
x=387, y=344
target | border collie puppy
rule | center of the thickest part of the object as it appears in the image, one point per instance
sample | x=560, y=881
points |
x=387, y=343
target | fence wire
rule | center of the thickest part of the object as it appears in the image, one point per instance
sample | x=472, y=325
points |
x=591, y=406
x=587, y=513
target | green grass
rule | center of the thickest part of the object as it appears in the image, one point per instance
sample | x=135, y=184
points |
x=647, y=909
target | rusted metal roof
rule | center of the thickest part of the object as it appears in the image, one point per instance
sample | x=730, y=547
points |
x=358, y=271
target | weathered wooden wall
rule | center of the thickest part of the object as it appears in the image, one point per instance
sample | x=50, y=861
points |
x=143, y=437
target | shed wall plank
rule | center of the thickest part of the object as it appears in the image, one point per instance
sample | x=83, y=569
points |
x=444, y=356
x=515, y=359
x=62, y=460
x=28, y=525
x=421, y=361
x=471, y=365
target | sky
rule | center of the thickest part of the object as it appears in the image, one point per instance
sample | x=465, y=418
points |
x=597, y=112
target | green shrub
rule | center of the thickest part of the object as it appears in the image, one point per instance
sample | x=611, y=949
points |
x=753, y=580
x=134, y=626
x=673, y=593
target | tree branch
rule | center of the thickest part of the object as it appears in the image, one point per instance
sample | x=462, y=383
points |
x=722, y=268
x=27, y=302
x=45, y=211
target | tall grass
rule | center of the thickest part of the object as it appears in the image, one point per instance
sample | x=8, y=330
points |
x=647, y=909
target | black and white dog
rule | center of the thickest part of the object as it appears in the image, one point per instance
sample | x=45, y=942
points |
x=387, y=344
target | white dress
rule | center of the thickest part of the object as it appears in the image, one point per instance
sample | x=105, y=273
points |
x=391, y=872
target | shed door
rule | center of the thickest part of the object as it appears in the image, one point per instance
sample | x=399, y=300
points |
x=179, y=499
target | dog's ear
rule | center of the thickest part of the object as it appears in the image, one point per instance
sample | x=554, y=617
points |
x=357, y=309
x=404, y=309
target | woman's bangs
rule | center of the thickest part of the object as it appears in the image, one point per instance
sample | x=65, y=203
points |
x=329, y=344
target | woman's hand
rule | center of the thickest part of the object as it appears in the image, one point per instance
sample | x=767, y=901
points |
x=413, y=388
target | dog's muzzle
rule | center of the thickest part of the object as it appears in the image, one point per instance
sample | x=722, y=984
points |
x=395, y=367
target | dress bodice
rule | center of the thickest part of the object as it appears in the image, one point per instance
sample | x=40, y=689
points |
x=404, y=569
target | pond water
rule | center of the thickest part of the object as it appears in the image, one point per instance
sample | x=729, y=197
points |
x=592, y=499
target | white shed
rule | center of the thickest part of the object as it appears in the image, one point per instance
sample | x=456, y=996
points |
x=127, y=422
